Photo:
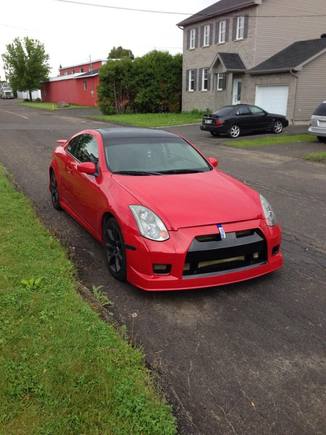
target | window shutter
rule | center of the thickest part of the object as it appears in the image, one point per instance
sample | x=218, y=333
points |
x=227, y=30
x=208, y=80
x=234, y=28
x=197, y=38
x=202, y=36
x=216, y=31
x=196, y=80
x=187, y=79
x=210, y=34
x=200, y=79
x=246, y=27
x=188, y=39
x=224, y=82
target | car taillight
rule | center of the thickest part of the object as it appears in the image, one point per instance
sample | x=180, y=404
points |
x=219, y=122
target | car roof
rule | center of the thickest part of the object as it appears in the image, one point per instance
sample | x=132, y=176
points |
x=127, y=132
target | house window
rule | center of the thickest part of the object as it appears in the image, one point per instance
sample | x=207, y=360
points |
x=207, y=30
x=204, y=79
x=192, y=40
x=81, y=69
x=240, y=28
x=85, y=85
x=222, y=32
x=192, y=80
x=220, y=82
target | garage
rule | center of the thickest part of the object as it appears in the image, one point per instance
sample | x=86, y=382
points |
x=273, y=99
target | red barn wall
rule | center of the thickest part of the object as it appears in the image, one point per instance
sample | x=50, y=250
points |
x=71, y=91
x=77, y=68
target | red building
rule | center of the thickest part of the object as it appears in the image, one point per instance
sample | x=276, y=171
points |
x=75, y=84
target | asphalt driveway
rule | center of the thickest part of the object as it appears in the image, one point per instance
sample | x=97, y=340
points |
x=243, y=359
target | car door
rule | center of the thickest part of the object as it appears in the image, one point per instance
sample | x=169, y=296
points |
x=85, y=190
x=260, y=118
x=243, y=118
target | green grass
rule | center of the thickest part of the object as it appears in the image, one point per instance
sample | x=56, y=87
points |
x=63, y=370
x=152, y=119
x=319, y=157
x=282, y=139
x=50, y=106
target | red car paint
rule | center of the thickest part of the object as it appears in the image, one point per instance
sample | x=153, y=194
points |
x=190, y=205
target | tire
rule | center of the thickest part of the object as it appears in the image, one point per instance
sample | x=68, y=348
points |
x=115, y=251
x=214, y=133
x=55, y=199
x=277, y=127
x=321, y=139
x=234, y=131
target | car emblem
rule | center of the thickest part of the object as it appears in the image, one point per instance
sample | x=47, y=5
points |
x=221, y=230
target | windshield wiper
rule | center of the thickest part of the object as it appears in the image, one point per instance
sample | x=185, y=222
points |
x=184, y=171
x=137, y=173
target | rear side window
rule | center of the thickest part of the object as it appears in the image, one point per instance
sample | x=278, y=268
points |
x=224, y=111
x=321, y=110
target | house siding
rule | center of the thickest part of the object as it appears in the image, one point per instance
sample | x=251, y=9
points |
x=203, y=57
x=274, y=33
x=311, y=89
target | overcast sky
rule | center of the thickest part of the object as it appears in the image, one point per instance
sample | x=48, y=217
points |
x=71, y=33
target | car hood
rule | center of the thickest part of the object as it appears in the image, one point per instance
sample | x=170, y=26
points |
x=190, y=200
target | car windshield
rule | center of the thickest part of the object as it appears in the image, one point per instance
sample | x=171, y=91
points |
x=321, y=110
x=153, y=156
x=224, y=111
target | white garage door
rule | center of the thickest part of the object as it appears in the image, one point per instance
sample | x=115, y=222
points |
x=273, y=99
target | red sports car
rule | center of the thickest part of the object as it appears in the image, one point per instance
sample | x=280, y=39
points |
x=167, y=218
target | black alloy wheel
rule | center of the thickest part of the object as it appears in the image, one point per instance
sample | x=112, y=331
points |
x=54, y=192
x=115, y=249
x=322, y=139
x=234, y=131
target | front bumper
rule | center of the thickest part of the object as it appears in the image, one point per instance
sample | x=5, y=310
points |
x=317, y=131
x=174, y=252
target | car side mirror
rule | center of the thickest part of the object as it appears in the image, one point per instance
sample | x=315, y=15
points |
x=213, y=161
x=87, y=168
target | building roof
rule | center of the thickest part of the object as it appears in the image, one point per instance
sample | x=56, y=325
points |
x=232, y=61
x=84, y=75
x=292, y=57
x=219, y=8
x=82, y=64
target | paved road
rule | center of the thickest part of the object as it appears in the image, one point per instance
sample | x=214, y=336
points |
x=244, y=359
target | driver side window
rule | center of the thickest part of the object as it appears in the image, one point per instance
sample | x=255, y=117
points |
x=84, y=148
x=256, y=110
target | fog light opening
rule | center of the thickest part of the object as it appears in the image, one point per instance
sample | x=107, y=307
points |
x=276, y=250
x=161, y=269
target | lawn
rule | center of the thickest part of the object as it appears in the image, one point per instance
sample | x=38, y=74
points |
x=282, y=139
x=319, y=157
x=152, y=119
x=50, y=106
x=63, y=370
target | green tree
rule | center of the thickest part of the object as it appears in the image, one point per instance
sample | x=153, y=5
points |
x=158, y=80
x=116, y=89
x=120, y=53
x=26, y=64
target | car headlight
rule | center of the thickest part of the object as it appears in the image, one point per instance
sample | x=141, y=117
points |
x=268, y=211
x=149, y=225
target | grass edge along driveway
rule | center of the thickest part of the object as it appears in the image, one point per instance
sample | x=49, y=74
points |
x=62, y=369
x=152, y=119
x=261, y=141
x=50, y=106
x=319, y=157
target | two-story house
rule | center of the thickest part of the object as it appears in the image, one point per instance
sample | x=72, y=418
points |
x=271, y=53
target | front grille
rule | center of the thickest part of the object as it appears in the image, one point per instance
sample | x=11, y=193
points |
x=209, y=254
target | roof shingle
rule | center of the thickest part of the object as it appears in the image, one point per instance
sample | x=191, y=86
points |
x=232, y=61
x=291, y=57
x=219, y=8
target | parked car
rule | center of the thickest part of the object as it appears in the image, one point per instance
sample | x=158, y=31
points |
x=168, y=220
x=6, y=92
x=242, y=118
x=318, y=123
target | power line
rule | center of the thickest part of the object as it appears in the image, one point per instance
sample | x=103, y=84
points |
x=154, y=11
